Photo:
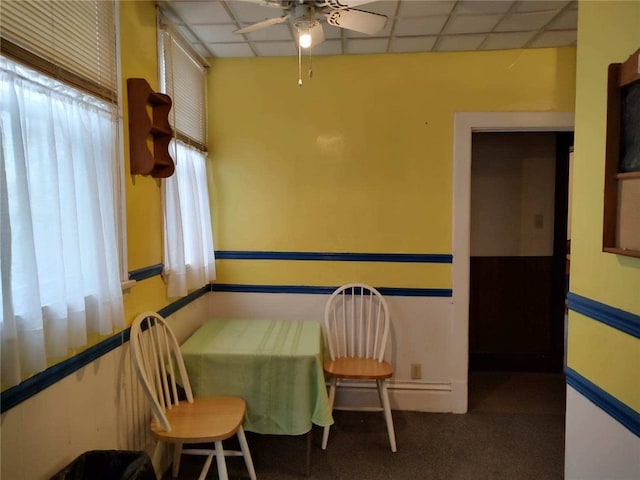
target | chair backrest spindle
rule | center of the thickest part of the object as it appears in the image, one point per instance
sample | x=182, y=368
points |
x=356, y=322
x=156, y=355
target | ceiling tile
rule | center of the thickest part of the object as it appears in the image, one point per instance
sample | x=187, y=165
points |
x=423, y=9
x=472, y=23
x=412, y=44
x=202, y=12
x=275, y=49
x=505, y=41
x=367, y=45
x=460, y=43
x=226, y=50
x=539, y=6
x=216, y=34
x=186, y=33
x=328, y=47
x=479, y=7
x=202, y=50
x=420, y=26
x=566, y=21
x=520, y=22
x=555, y=38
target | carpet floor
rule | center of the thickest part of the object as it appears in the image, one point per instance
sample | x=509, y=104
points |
x=514, y=430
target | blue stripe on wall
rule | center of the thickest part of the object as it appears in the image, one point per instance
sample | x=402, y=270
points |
x=184, y=301
x=624, y=414
x=146, y=272
x=614, y=317
x=153, y=270
x=335, y=257
x=388, y=291
x=14, y=395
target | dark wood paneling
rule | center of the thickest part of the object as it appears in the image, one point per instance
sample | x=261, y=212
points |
x=511, y=315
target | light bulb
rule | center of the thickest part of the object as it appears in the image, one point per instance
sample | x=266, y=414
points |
x=305, y=40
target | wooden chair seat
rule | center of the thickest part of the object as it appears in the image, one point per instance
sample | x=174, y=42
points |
x=358, y=368
x=207, y=419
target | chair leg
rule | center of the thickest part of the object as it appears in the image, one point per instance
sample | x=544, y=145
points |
x=244, y=446
x=205, y=467
x=156, y=460
x=332, y=396
x=222, y=465
x=177, y=452
x=306, y=471
x=384, y=395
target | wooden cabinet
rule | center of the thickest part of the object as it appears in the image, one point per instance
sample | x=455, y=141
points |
x=149, y=130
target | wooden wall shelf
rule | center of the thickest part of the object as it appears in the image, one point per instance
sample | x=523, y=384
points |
x=621, y=225
x=149, y=124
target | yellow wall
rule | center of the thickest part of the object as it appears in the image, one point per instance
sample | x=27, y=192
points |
x=606, y=356
x=139, y=59
x=358, y=159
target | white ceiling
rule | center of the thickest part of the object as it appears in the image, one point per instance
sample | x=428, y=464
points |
x=412, y=26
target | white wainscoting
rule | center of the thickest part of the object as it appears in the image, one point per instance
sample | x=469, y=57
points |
x=612, y=454
x=421, y=333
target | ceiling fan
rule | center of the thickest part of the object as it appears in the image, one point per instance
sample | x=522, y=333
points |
x=306, y=16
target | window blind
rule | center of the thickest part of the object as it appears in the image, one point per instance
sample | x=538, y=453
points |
x=183, y=79
x=73, y=41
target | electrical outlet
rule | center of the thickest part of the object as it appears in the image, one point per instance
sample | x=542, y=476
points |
x=416, y=371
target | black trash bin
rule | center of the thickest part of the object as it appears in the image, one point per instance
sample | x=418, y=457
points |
x=109, y=465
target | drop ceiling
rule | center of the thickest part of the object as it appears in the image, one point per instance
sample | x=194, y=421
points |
x=412, y=26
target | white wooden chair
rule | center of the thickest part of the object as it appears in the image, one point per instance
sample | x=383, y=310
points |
x=156, y=356
x=356, y=326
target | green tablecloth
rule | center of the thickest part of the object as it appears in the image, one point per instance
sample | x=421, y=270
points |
x=275, y=365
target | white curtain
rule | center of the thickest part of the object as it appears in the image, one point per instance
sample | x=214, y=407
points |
x=59, y=253
x=189, y=260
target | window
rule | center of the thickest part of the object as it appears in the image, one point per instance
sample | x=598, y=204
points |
x=59, y=182
x=189, y=260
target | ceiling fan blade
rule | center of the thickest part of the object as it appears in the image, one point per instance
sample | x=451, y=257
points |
x=357, y=20
x=266, y=3
x=263, y=24
x=341, y=4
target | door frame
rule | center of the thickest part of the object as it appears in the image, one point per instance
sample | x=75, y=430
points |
x=465, y=123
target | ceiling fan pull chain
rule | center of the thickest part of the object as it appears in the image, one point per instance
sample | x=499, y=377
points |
x=299, y=64
x=310, y=65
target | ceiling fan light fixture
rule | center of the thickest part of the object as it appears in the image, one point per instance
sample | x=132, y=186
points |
x=305, y=39
x=304, y=27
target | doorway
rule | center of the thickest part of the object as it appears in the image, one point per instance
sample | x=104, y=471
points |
x=518, y=223
x=465, y=123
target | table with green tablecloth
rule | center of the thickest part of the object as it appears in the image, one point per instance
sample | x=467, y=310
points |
x=275, y=365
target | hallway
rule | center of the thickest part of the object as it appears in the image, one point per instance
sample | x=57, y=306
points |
x=516, y=392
